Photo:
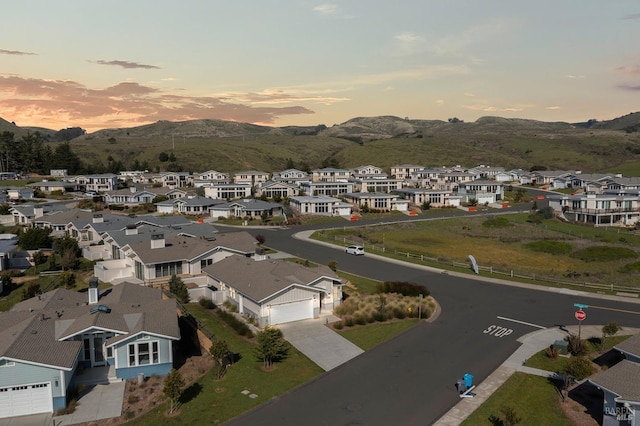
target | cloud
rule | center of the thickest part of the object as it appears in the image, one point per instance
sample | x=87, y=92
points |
x=575, y=76
x=60, y=103
x=126, y=64
x=330, y=9
x=492, y=108
x=552, y=108
x=628, y=69
x=326, y=9
x=629, y=87
x=15, y=52
x=632, y=16
x=460, y=44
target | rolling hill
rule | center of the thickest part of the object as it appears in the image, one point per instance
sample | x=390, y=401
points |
x=383, y=141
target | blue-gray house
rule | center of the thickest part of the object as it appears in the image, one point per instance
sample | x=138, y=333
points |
x=48, y=342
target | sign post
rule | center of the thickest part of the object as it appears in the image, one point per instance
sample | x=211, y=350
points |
x=580, y=316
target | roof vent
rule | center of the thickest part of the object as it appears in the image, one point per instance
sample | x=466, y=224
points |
x=100, y=308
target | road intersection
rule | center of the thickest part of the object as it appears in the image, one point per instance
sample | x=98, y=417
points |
x=411, y=378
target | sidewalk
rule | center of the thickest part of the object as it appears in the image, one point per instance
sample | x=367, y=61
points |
x=531, y=344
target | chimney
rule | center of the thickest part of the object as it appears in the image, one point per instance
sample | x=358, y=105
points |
x=132, y=189
x=97, y=218
x=157, y=241
x=131, y=229
x=38, y=211
x=93, y=290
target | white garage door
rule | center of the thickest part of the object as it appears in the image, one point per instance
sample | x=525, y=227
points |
x=288, y=312
x=23, y=400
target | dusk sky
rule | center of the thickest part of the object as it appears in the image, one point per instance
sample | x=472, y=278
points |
x=106, y=64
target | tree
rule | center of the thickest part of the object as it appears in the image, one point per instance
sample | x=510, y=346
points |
x=7, y=283
x=34, y=238
x=178, y=289
x=39, y=258
x=67, y=243
x=159, y=198
x=69, y=260
x=260, y=239
x=609, y=330
x=220, y=352
x=270, y=346
x=68, y=279
x=173, y=385
x=163, y=157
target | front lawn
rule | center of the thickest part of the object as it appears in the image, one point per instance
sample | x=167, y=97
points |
x=366, y=337
x=219, y=401
x=533, y=398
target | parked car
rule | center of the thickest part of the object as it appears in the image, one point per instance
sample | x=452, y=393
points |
x=355, y=250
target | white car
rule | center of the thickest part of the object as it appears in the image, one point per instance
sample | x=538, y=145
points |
x=355, y=250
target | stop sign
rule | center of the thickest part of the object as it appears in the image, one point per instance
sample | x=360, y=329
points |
x=581, y=315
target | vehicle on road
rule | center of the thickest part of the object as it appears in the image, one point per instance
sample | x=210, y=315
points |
x=355, y=250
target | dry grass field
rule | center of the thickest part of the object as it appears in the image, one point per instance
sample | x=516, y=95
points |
x=507, y=248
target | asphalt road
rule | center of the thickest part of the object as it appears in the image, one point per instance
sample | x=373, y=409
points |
x=409, y=380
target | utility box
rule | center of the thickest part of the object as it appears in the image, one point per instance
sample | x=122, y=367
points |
x=562, y=346
x=460, y=386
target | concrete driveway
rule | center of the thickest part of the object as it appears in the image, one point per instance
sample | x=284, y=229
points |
x=320, y=343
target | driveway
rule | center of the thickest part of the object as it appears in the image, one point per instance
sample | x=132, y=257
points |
x=99, y=402
x=320, y=343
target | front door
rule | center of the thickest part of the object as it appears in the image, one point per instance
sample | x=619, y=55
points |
x=94, y=349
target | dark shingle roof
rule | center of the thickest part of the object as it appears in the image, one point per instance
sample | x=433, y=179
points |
x=34, y=330
x=621, y=379
x=630, y=346
x=260, y=279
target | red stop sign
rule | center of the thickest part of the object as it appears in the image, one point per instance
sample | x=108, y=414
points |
x=581, y=315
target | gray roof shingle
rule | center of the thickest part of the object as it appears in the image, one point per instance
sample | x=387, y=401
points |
x=34, y=330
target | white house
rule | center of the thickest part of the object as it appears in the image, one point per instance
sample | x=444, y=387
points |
x=320, y=205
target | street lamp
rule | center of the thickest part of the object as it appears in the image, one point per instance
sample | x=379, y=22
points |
x=420, y=307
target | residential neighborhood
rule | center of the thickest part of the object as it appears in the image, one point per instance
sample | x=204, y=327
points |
x=150, y=229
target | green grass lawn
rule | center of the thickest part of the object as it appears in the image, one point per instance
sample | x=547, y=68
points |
x=215, y=402
x=362, y=285
x=534, y=399
x=366, y=337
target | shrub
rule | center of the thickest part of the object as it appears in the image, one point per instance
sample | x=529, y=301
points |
x=237, y=325
x=348, y=321
x=630, y=267
x=360, y=320
x=379, y=316
x=579, y=368
x=550, y=246
x=552, y=352
x=399, y=313
x=404, y=288
x=132, y=399
x=206, y=303
x=604, y=253
x=577, y=347
x=338, y=325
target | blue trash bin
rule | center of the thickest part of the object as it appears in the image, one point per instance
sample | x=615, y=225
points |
x=468, y=380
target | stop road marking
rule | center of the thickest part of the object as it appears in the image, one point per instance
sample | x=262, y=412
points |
x=497, y=331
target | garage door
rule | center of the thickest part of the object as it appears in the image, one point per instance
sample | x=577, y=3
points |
x=288, y=312
x=23, y=400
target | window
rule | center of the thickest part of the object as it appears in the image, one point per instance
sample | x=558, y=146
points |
x=6, y=363
x=168, y=269
x=144, y=353
x=206, y=262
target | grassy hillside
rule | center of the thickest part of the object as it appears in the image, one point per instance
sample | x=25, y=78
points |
x=383, y=141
